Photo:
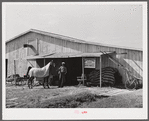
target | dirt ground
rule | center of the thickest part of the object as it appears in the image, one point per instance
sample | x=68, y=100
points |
x=72, y=97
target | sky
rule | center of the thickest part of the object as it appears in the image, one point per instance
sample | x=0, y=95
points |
x=114, y=24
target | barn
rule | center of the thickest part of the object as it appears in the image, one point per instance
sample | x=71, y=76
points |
x=36, y=48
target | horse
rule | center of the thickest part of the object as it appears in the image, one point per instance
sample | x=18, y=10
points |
x=45, y=72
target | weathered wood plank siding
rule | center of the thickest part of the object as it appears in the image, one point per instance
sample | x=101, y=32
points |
x=46, y=45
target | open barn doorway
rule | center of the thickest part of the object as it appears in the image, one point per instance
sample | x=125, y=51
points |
x=73, y=65
x=74, y=69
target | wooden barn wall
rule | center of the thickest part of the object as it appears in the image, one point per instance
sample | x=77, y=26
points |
x=132, y=60
x=16, y=51
x=46, y=45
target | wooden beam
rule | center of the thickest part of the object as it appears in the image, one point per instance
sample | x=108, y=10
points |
x=83, y=68
x=14, y=67
x=100, y=71
x=15, y=72
x=44, y=61
x=37, y=48
x=27, y=49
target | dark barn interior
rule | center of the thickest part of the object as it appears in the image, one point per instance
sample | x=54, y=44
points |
x=73, y=65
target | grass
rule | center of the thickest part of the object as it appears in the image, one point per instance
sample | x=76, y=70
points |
x=131, y=100
x=69, y=101
x=70, y=97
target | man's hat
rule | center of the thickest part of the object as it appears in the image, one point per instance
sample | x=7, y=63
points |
x=63, y=63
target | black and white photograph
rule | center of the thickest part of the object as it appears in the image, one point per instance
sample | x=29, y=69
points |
x=74, y=60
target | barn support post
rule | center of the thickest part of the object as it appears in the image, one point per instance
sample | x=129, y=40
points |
x=44, y=61
x=14, y=67
x=15, y=72
x=37, y=48
x=100, y=71
x=83, y=68
x=27, y=49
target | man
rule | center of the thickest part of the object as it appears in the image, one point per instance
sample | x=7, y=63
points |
x=62, y=72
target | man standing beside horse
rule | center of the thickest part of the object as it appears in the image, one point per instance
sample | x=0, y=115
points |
x=62, y=71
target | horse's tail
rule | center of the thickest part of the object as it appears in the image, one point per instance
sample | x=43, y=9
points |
x=28, y=70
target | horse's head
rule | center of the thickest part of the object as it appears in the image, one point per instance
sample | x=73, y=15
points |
x=52, y=67
x=52, y=63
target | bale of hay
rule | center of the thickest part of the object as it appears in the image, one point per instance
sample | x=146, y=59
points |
x=109, y=75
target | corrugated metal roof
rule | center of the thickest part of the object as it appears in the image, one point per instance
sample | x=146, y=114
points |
x=70, y=39
x=67, y=55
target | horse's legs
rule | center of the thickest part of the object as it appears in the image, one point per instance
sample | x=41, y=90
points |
x=29, y=82
x=32, y=82
x=44, y=82
x=48, y=82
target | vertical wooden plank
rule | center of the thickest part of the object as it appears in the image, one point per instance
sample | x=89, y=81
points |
x=27, y=48
x=127, y=64
x=63, y=45
x=97, y=63
x=15, y=71
x=138, y=63
x=44, y=62
x=14, y=67
x=120, y=59
x=100, y=71
x=134, y=60
x=135, y=70
x=141, y=62
x=83, y=68
x=37, y=47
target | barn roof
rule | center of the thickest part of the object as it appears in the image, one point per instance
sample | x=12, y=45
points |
x=69, y=39
x=66, y=55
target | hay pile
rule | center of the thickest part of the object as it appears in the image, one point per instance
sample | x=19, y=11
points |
x=109, y=76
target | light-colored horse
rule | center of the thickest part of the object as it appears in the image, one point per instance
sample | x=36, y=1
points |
x=45, y=72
